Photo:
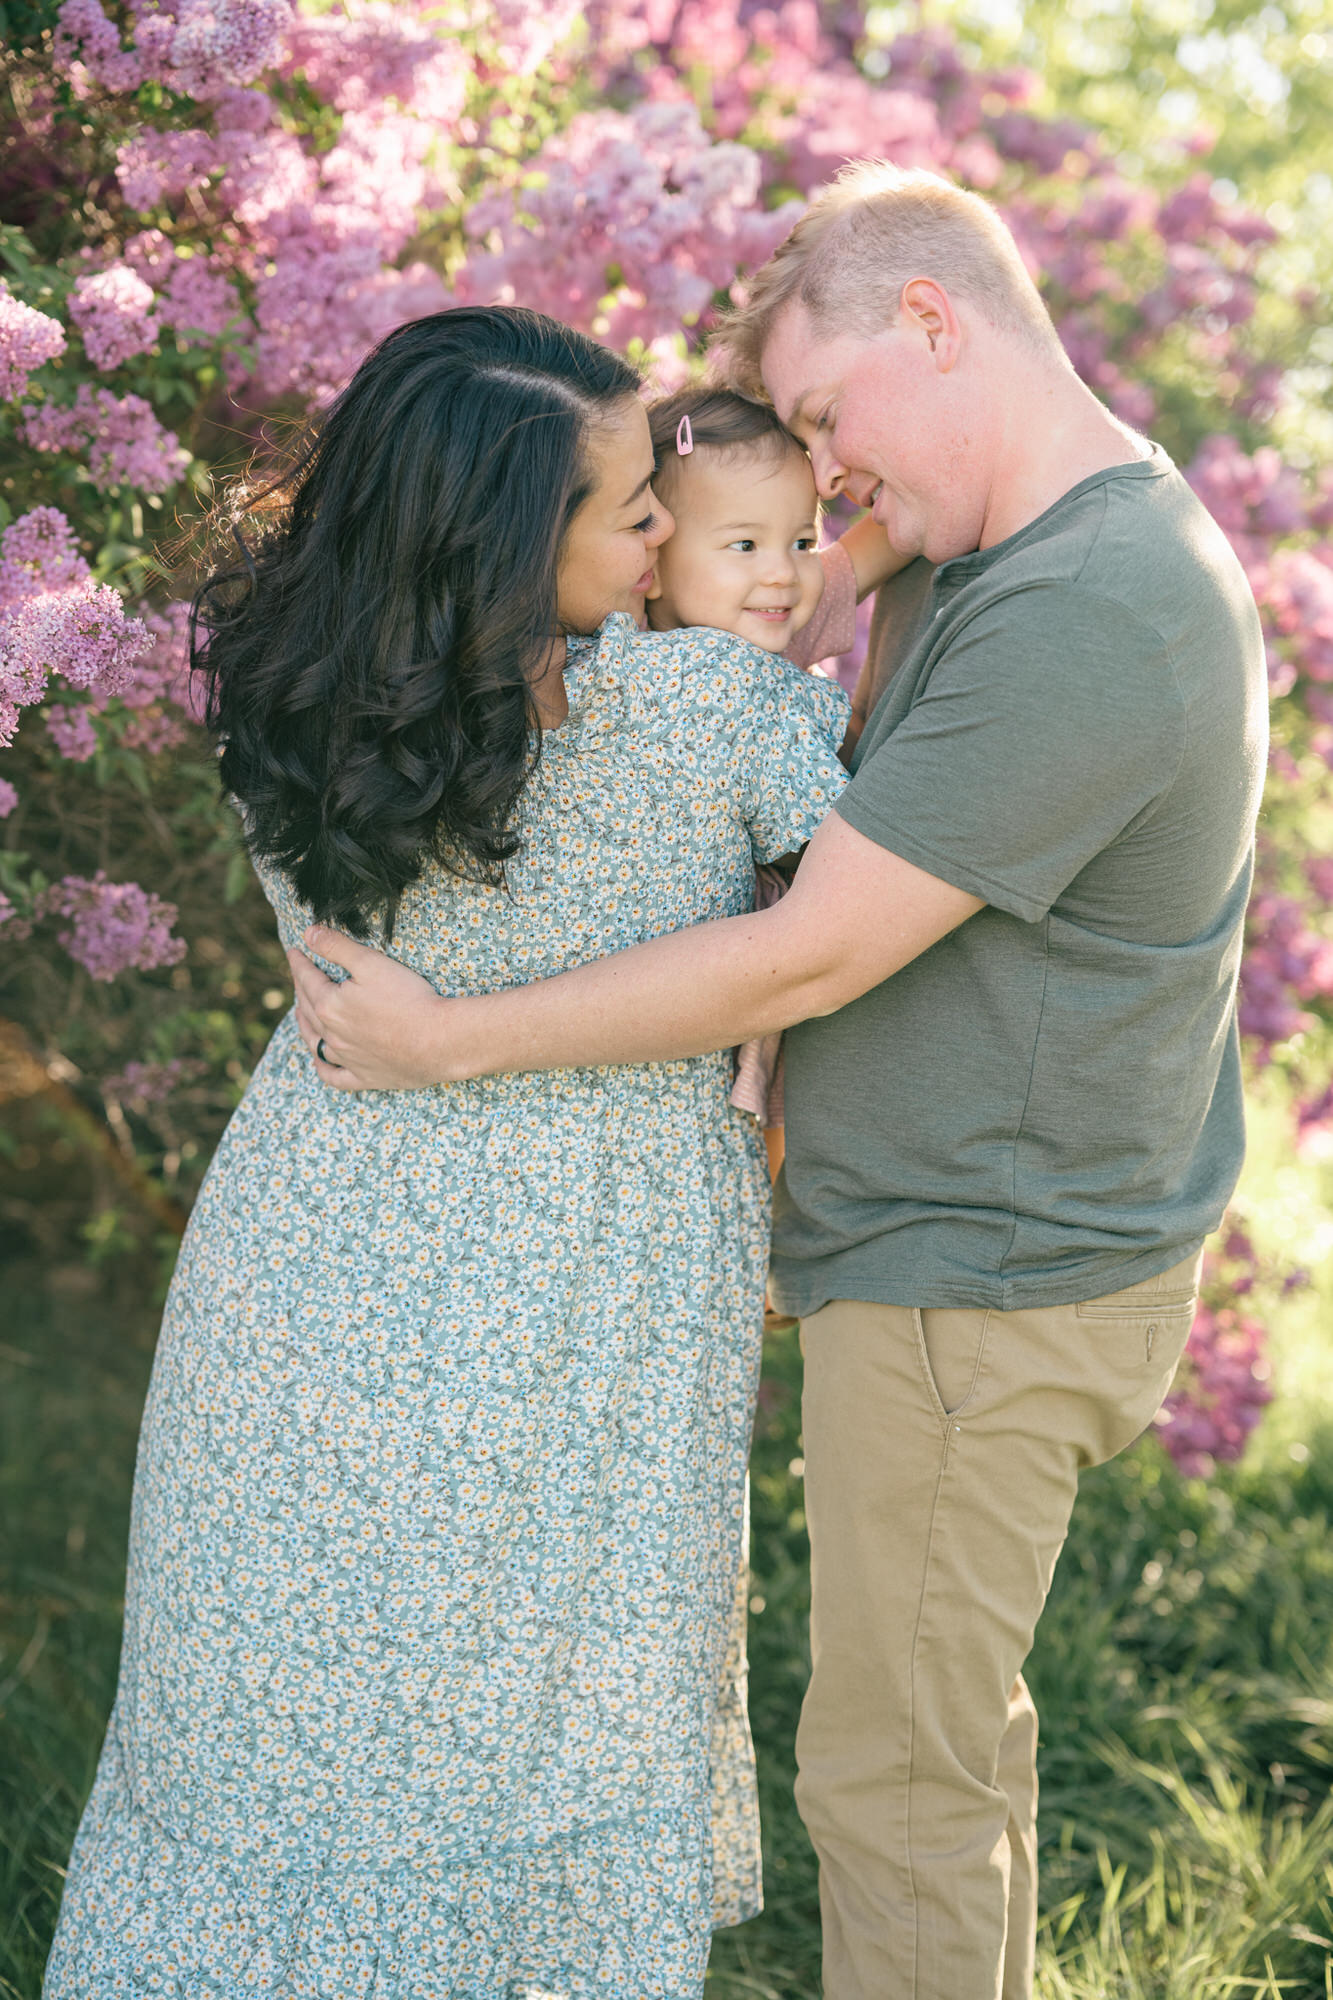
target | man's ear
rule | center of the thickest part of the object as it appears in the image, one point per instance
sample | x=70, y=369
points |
x=927, y=306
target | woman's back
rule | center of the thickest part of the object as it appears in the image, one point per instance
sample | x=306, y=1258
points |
x=441, y=1488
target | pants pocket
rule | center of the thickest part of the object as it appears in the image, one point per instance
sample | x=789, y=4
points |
x=951, y=1344
x=1139, y=1350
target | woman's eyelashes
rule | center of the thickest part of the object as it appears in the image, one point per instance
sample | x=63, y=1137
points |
x=645, y=526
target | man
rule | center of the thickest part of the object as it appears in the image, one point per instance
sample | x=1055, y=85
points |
x=1013, y=1102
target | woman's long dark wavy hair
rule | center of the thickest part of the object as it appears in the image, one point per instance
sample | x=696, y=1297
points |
x=367, y=661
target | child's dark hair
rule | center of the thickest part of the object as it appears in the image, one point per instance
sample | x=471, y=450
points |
x=720, y=420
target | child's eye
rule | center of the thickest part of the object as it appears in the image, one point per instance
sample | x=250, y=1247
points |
x=744, y=545
x=806, y=544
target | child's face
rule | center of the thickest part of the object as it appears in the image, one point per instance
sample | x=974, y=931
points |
x=743, y=557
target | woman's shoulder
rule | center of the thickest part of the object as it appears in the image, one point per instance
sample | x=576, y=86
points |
x=697, y=665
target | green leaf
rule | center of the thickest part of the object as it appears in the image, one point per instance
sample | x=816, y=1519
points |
x=238, y=877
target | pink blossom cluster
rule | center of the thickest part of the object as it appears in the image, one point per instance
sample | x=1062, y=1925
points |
x=637, y=220
x=124, y=443
x=1222, y=1388
x=1258, y=500
x=155, y=165
x=55, y=620
x=158, y=697
x=1252, y=498
x=1288, y=965
x=322, y=232
x=195, y=47
x=72, y=732
x=363, y=58
x=195, y=293
x=1220, y=1394
x=524, y=36
x=9, y=798
x=27, y=339
x=116, y=926
x=141, y=1084
x=312, y=232
x=113, y=310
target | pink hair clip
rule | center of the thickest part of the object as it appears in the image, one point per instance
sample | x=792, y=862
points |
x=684, y=437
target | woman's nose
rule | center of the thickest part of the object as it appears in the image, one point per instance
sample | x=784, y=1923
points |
x=664, y=526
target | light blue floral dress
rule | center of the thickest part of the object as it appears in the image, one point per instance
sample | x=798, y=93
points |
x=432, y=1686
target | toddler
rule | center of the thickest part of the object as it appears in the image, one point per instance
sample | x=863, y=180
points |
x=745, y=558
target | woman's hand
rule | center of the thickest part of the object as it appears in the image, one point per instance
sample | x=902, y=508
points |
x=380, y=1026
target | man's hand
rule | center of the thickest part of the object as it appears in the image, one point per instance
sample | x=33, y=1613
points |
x=379, y=1026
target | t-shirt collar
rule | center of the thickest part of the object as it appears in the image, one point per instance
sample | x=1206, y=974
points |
x=961, y=569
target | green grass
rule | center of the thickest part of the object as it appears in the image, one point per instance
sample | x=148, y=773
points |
x=1184, y=1669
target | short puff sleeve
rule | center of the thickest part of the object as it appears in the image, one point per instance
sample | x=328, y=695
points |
x=789, y=770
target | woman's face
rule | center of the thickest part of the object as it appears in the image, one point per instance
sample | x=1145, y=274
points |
x=606, y=563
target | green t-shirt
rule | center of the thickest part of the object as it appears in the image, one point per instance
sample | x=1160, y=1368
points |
x=1046, y=1105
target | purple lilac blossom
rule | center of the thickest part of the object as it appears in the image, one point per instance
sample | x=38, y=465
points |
x=198, y=48
x=54, y=619
x=153, y=165
x=72, y=732
x=113, y=310
x=1221, y=1393
x=124, y=442
x=27, y=339
x=117, y=926
x=140, y=1084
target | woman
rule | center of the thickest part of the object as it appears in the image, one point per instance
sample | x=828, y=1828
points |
x=438, y=1514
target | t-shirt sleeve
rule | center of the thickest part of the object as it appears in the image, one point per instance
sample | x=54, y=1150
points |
x=1051, y=722
x=833, y=626
x=789, y=770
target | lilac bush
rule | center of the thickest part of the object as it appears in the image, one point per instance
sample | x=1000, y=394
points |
x=215, y=206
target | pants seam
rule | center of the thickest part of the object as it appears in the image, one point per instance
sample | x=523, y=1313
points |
x=911, y=1716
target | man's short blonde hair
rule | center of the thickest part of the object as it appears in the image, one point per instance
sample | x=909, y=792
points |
x=861, y=240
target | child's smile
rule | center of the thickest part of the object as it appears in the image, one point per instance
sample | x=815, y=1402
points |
x=743, y=558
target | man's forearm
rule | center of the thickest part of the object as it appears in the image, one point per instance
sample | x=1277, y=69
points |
x=675, y=996
x=856, y=914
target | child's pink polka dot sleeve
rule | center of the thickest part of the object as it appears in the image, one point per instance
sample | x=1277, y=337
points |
x=833, y=627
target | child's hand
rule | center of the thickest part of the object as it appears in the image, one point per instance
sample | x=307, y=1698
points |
x=873, y=555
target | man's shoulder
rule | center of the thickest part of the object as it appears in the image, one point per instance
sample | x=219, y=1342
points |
x=1138, y=556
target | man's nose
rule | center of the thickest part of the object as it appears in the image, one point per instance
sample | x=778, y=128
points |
x=830, y=473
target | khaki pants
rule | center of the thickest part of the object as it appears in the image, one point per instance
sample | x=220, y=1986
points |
x=942, y=1453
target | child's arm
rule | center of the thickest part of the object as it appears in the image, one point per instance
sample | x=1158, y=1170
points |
x=874, y=558
x=857, y=563
x=860, y=711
